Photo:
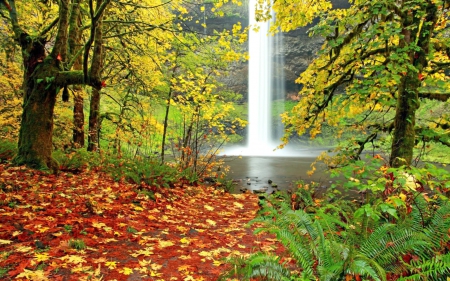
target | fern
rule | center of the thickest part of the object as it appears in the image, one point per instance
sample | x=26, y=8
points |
x=257, y=265
x=437, y=268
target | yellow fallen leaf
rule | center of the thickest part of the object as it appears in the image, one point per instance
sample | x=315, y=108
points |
x=155, y=274
x=38, y=275
x=184, y=267
x=205, y=254
x=185, y=240
x=98, y=224
x=4, y=242
x=209, y=208
x=41, y=257
x=80, y=268
x=145, y=252
x=217, y=263
x=75, y=259
x=126, y=271
x=24, y=249
x=111, y=264
x=97, y=271
x=211, y=222
x=239, y=205
x=145, y=262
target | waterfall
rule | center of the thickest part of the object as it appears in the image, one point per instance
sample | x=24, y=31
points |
x=265, y=84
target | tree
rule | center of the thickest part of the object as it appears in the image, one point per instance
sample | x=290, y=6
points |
x=45, y=74
x=378, y=57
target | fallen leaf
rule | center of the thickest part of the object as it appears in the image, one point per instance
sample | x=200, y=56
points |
x=126, y=271
x=111, y=264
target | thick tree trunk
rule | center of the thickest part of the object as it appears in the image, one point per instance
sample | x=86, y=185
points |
x=36, y=130
x=416, y=31
x=404, y=123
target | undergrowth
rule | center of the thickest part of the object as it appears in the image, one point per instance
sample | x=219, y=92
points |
x=397, y=228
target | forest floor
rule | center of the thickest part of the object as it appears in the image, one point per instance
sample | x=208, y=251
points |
x=88, y=227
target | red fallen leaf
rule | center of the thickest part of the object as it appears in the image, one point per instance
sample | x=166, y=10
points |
x=407, y=258
x=23, y=236
x=19, y=268
x=58, y=57
x=103, y=84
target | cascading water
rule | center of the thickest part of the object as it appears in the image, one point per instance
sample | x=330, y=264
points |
x=265, y=84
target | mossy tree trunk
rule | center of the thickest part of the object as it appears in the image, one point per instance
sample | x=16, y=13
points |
x=416, y=34
x=36, y=130
x=96, y=69
x=74, y=46
x=44, y=76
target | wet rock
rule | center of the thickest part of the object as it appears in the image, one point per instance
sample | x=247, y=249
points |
x=261, y=190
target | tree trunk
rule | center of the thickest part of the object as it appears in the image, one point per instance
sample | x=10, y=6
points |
x=94, y=121
x=96, y=70
x=36, y=130
x=416, y=30
x=404, y=123
x=74, y=43
x=78, y=119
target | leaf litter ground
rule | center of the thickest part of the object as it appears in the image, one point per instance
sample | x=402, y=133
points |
x=89, y=227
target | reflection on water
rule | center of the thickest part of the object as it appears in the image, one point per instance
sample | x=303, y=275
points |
x=254, y=172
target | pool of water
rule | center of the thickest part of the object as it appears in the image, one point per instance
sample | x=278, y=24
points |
x=256, y=173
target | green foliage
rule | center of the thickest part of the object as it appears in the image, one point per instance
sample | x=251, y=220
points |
x=395, y=229
x=8, y=150
x=77, y=244
x=149, y=171
x=3, y=271
x=77, y=160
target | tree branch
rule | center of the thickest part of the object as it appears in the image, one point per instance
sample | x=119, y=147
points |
x=49, y=27
x=431, y=96
x=75, y=77
x=61, y=37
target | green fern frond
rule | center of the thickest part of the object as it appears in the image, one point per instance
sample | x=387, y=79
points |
x=300, y=253
x=388, y=242
x=257, y=265
x=436, y=268
x=363, y=268
x=439, y=225
x=372, y=268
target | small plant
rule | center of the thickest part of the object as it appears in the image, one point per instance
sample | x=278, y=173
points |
x=7, y=150
x=131, y=230
x=77, y=160
x=77, y=244
x=3, y=271
x=68, y=228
